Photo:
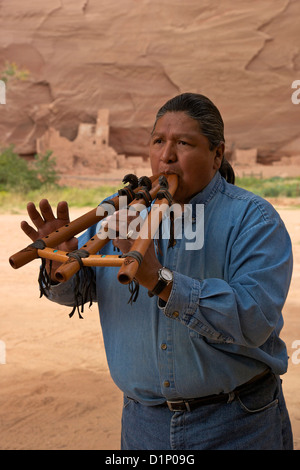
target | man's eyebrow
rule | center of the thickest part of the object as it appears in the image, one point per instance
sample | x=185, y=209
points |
x=188, y=135
x=180, y=135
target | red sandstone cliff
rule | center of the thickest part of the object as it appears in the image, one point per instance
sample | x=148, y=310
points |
x=129, y=56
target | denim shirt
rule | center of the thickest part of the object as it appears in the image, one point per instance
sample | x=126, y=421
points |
x=221, y=324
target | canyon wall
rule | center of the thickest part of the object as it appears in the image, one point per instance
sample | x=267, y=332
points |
x=64, y=60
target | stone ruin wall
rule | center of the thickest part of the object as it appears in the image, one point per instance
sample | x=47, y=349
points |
x=89, y=154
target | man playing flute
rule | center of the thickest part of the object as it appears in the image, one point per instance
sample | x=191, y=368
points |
x=198, y=355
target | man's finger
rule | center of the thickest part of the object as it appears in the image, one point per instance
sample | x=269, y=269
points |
x=29, y=231
x=34, y=215
x=63, y=211
x=46, y=210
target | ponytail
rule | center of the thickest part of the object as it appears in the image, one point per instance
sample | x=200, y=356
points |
x=227, y=171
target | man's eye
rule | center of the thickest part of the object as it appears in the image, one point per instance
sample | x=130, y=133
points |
x=182, y=142
x=157, y=141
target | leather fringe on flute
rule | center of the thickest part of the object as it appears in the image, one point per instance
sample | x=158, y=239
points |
x=84, y=286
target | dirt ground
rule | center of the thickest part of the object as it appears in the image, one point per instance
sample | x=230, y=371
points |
x=56, y=391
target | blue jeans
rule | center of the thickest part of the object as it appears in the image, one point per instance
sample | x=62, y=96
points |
x=254, y=420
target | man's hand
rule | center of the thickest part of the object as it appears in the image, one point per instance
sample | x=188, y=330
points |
x=147, y=274
x=46, y=223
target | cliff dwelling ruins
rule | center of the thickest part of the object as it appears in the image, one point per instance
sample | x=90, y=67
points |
x=90, y=153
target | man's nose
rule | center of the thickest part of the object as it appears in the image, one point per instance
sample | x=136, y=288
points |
x=169, y=153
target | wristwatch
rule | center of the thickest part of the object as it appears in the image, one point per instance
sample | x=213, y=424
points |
x=165, y=277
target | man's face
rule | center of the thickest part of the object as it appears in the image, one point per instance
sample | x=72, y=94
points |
x=177, y=146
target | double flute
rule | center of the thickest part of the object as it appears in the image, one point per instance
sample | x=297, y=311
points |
x=158, y=188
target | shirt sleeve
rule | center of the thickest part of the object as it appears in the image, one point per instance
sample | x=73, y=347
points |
x=246, y=307
x=62, y=293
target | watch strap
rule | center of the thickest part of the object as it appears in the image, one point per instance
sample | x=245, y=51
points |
x=159, y=287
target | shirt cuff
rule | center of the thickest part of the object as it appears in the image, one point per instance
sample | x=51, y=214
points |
x=183, y=300
x=184, y=305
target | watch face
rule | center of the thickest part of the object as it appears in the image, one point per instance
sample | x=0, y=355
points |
x=166, y=274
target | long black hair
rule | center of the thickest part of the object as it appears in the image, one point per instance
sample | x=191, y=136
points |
x=203, y=110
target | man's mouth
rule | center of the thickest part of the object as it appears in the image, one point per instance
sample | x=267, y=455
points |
x=169, y=171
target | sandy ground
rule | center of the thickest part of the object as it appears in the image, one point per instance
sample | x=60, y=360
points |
x=56, y=391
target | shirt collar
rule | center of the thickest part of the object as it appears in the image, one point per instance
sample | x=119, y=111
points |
x=204, y=196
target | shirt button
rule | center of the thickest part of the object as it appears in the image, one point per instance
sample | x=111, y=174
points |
x=175, y=314
x=163, y=346
x=166, y=383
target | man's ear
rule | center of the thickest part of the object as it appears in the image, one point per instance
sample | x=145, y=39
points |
x=219, y=154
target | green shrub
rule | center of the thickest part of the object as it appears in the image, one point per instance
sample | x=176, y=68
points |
x=21, y=176
x=271, y=187
x=15, y=173
x=12, y=71
x=44, y=165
